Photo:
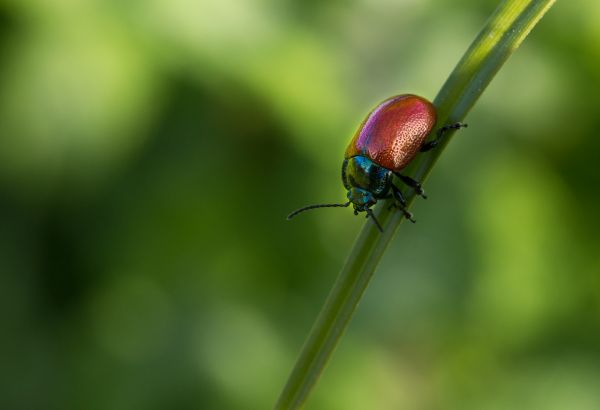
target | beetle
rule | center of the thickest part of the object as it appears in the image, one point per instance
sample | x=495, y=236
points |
x=384, y=144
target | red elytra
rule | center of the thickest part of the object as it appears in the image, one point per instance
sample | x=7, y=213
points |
x=394, y=131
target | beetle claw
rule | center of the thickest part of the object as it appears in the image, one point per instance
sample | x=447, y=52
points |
x=406, y=213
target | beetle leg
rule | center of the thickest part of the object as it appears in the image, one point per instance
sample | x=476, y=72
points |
x=393, y=204
x=439, y=134
x=402, y=203
x=416, y=185
x=370, y=213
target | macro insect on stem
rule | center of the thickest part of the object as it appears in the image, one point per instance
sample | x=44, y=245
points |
x=385, y=143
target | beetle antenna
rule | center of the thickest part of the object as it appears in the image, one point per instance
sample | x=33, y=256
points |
x=375, y=221
x=306, y=208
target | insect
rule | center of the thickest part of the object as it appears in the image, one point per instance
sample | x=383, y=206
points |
x=384, y=144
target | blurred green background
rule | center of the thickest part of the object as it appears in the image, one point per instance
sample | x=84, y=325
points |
x=150, y=150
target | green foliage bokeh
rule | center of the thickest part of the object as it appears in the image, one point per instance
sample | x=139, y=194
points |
x=149, y=152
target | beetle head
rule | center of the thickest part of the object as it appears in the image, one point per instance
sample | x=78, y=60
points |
x=361, y=199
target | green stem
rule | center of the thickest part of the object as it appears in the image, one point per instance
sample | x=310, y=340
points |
x=500, y=37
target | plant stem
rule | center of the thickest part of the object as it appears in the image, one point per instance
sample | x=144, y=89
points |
x=507, y=27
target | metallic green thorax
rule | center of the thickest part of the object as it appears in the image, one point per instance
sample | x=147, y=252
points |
x=365, y=181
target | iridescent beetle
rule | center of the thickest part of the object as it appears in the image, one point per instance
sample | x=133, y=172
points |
x=385, y=143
